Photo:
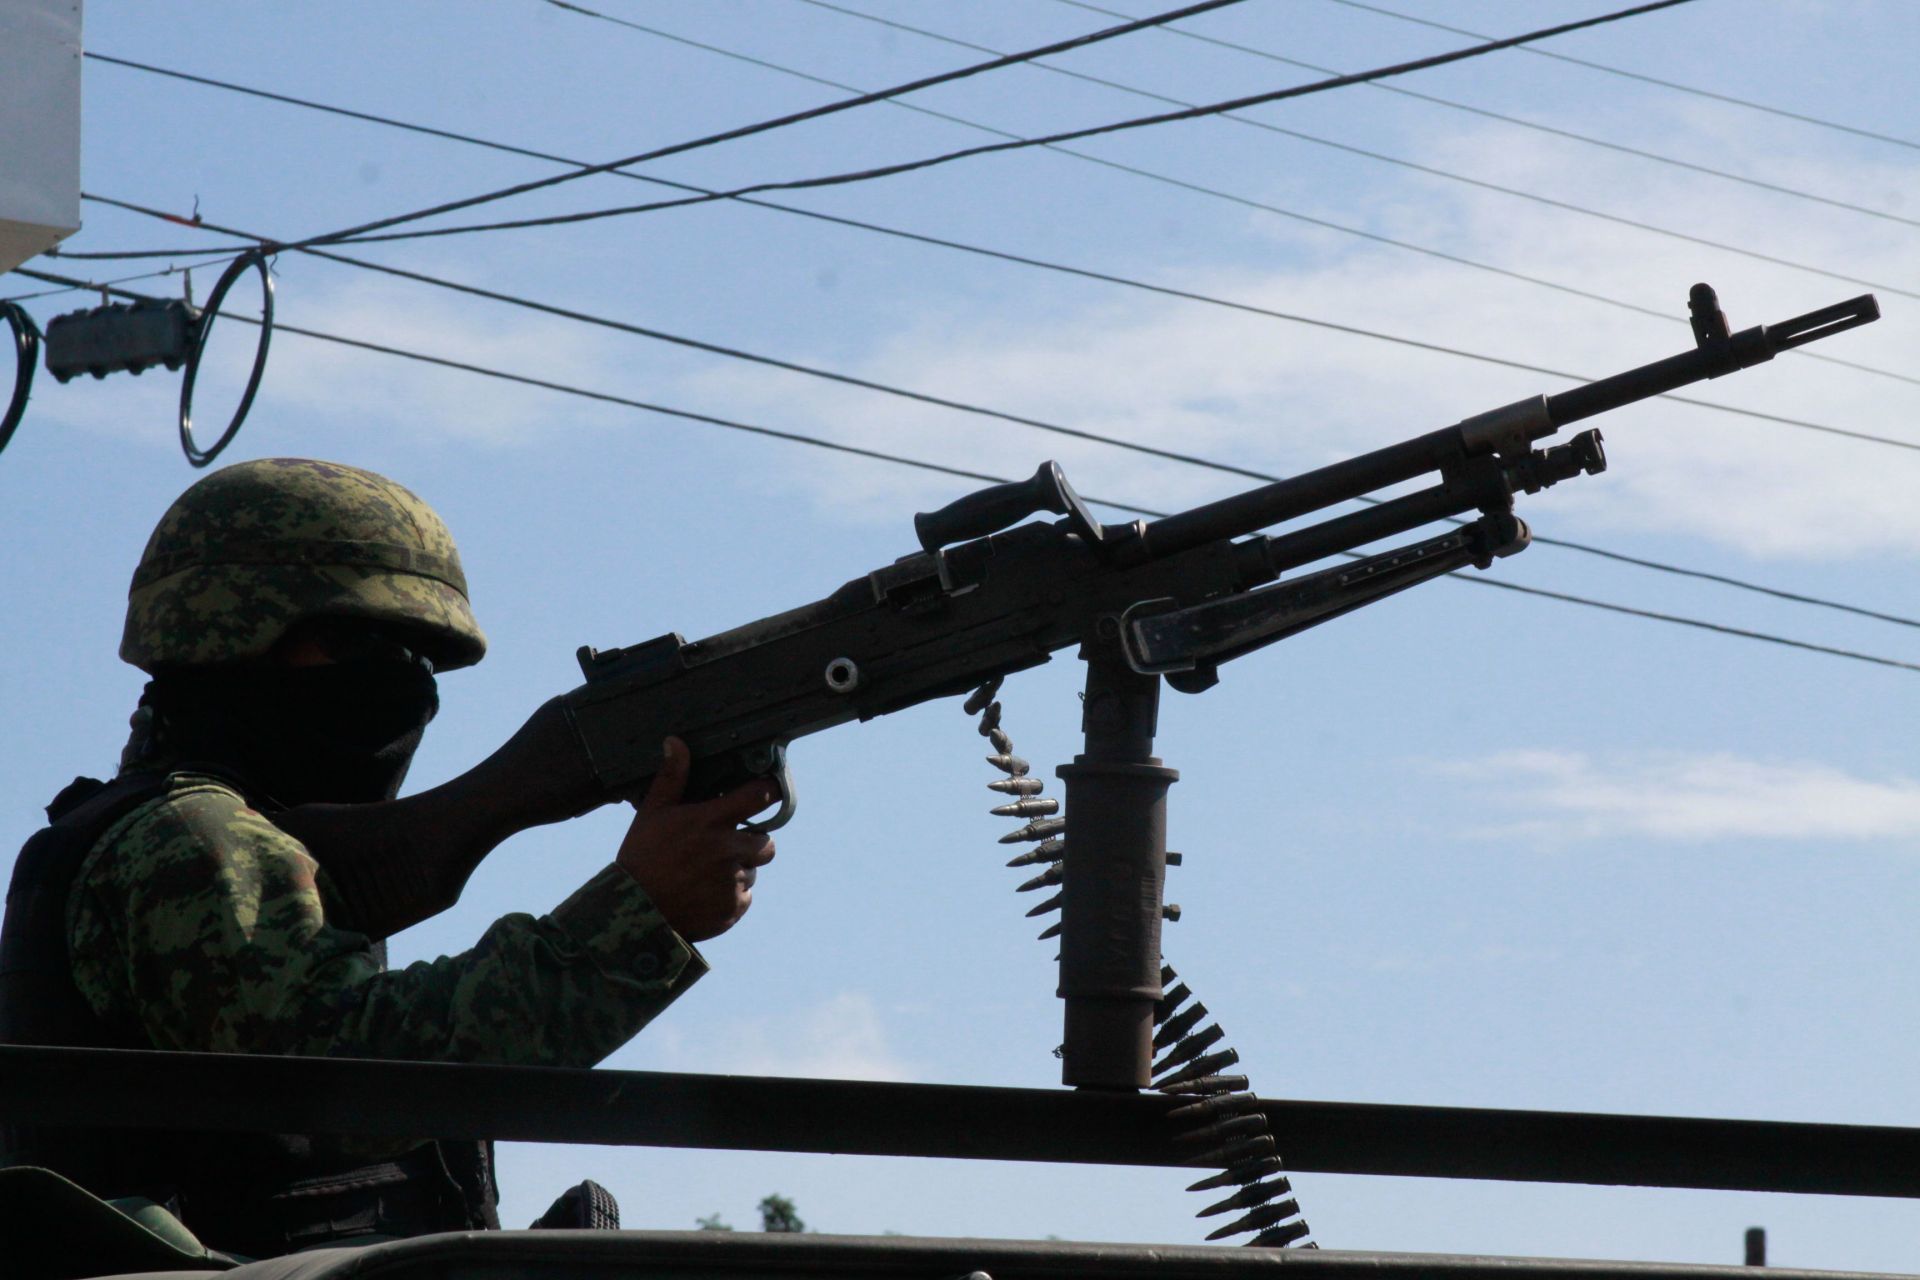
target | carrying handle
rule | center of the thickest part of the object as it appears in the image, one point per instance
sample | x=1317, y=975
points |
x=1004, y=505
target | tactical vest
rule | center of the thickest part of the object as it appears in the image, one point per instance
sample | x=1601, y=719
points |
x=255, y=1194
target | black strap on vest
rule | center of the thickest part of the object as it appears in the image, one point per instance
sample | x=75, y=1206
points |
x=255, y=1194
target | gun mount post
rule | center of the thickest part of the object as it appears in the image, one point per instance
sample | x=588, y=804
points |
x=1116, y=869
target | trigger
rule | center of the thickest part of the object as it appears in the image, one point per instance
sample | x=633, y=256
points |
x=783, y=783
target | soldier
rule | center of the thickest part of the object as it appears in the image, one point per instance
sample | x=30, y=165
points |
x=292, y=615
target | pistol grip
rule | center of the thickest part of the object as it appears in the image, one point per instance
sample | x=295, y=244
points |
x=721, y=772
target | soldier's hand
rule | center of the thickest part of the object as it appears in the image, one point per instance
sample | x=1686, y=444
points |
x=693, y=860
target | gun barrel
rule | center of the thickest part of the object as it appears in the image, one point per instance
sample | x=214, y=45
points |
x=1505, y=430
x=1307, y=492
x=1710, y=359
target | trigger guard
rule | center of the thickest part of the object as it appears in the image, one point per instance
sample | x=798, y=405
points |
x=789, y=804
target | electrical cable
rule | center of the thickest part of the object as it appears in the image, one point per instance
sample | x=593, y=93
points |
x=256, y=260
x=1535, y=125
x=220, y=258
x=1035, y=423
x=882, y=229
x=778, y=122
x=26, y=351
x=845, y=221
x=887, y=389
x=1398, y=161
x=1647, y=79
x=361, y=234
x=1150, y=175
x=944, y=469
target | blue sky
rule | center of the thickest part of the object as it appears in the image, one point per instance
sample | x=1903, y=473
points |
x=1464, y=848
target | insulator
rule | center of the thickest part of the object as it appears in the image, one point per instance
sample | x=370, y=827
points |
x=1171, y=1000
x=1222, y=1104
x=1203, y=1085
x=1221, y=1130
x=980, y=697
x=1051, y=850
x=1001, y=742
x=1051, y=931
x=1175, y=859
x=989, y=721
x=1240, y=1175
x=1170, y=912
x=1265, y=1216
x=1051, y=904
x=116, y=336
x=1190, y=1048
x=1205, y=1066
x=1051, y=876
x=1282, y=1236
x=1017, y=786
x=1178, y=1025
x=1038, y=829
x=1031, y=807
x=1013, y=765
x=1247, y=1197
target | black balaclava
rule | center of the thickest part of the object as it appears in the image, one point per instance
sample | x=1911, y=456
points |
x=341, y=733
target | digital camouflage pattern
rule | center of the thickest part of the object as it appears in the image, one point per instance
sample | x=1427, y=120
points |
x=252, y=549
x=198, y=921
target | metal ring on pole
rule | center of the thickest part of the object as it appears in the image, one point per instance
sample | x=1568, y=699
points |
x=256, y=259
x=26, y=346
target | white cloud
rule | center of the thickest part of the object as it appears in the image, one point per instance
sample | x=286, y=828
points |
x=1691, y=797
x=1283, y=398
x=391, y=394
x=840, y=1038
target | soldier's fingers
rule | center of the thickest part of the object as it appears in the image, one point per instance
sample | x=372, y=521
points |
x=750, y=849
x=671, y=782
x=737, y=805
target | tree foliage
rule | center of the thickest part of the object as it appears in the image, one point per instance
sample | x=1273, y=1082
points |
x=778, y=1214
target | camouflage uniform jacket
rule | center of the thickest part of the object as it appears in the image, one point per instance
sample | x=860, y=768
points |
x=198, y=921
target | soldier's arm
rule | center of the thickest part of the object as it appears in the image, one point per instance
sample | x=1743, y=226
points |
x=202, y=923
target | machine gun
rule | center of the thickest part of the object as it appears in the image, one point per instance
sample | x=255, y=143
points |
x=1175, y=598
x=987, y=595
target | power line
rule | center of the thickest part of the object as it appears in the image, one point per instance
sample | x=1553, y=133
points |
x=1215, y=193
x=989, y=148
x=219, y=257
x=1398, y=161
x=737, y=353
x=1017, y=419
x=962, y=473
x=369, y=233
x=897, y=232
x=1523, y=123
x=778, y=122
x=812, y=371
x=1646, y=79
x=941, y=115
x=1632, y=612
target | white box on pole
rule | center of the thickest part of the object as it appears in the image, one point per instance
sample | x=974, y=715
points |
x=39, y=126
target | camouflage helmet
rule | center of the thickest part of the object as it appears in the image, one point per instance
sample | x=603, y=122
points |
x=253, y=549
